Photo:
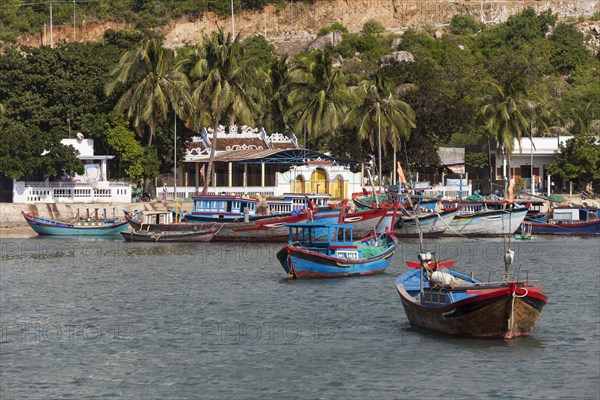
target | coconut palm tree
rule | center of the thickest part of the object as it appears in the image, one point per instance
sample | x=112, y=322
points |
x=380, y=114
x=504, y=121
x=222, y=90
x=278, y=81
x=155, y=84
x=318, y=97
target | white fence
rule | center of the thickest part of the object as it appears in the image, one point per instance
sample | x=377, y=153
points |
x=70, y=192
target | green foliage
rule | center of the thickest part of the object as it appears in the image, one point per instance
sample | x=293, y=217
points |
x=123, y=142
x=336, y=26
x=579, y=159
x=477, y=160
x=569, y=49
x=372, y=26
x=27, y=151
x=464, y=24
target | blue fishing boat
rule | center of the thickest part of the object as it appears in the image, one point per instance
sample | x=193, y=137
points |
x=566, y=221
x=337, y=255
x=447, y=301
x=90, y=226
x=228, y=208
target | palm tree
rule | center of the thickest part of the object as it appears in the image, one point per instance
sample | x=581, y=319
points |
x=583, y=117
x=505, y=122
x=278, y=81
x=222, y=92
x=155, y=84
x=380, y=113
x=318, y=96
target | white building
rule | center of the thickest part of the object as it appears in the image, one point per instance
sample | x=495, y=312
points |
x=92, y=186
x=543, y=151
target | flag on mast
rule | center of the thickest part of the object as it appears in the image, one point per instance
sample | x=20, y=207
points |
x=401, y=176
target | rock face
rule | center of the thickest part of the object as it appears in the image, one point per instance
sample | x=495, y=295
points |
x=332, y=39
x=398, y=56
x=296, y=21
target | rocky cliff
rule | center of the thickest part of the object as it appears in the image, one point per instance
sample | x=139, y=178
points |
x=301, y=20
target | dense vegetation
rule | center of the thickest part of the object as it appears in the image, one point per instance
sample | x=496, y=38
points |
x=530, y=76
x=19, y=17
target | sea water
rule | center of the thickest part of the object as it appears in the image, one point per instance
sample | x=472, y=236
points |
x=98, y=318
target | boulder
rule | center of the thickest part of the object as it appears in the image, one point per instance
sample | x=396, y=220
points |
x=332, y=39
x=398, y=56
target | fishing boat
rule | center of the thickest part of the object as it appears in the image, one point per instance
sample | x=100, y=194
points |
x=365, y=199
x=229, y=208
x=310, y=254
x=431, y=224
x=204, y=235
x=337, y=255
x=446, y=301
x=269, y=229
x=566, y=221
x=486, y=223
x=91, y=225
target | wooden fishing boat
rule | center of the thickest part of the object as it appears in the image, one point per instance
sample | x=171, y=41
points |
x=486, y=223
x=337, y=256
x=260, y=230
x=446, y=301
x=566, y=221
x=90, y=226
x=431, y=224
x=204, y=235
x=226, y=208
x=431, y=264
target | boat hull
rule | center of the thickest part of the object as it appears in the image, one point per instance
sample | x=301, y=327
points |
x=266, y=229
x=169, y=237
x=431, y=225
x=305, y=264
x=575, y=228
x=480, y=310
x=47, y=227
x=486, y=223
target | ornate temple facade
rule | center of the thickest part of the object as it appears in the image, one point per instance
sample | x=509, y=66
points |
x=248, y=161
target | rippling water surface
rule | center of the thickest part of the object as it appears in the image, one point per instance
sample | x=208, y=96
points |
x=98, y=318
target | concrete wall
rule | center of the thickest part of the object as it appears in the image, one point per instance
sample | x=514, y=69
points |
x=10, y=213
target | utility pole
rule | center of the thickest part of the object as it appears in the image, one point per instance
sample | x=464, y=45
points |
x=232, y=23
x=379, y=140
x=175, y=156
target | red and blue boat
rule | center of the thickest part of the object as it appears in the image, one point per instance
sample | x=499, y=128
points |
x=446, y=301
x=336, y=256
x=573, y=221
x=90, y=226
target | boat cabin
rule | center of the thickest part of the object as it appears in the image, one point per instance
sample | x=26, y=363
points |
x=574, y=214
x=222, y=206
x=330, y=239
x=153, y=217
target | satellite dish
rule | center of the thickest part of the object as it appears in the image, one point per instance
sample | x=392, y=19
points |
x=79, y=136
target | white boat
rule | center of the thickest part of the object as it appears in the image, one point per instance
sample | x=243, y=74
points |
x=486, y=223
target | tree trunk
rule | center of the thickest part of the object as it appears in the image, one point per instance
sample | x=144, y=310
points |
x=209, y=169
x=146, y=185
